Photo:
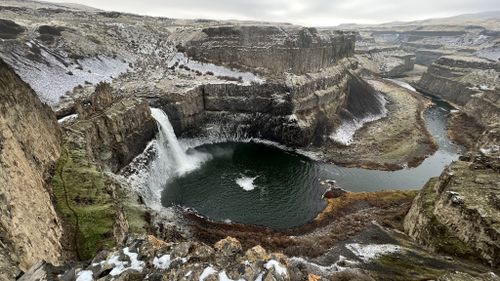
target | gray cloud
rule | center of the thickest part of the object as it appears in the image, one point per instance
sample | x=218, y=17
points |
x=311, y=12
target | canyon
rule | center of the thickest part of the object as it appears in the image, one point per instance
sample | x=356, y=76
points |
x=87, y=99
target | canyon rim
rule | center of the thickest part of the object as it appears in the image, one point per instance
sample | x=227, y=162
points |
x=141, y=147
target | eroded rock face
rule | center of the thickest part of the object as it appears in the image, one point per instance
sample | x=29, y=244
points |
x=386, y=61
x=273, y=49
x=469, y=82
x=296, y=110
x=458, y=213
x=457, y=78
x=30, y=141
x=117, y=130
x=10, y=29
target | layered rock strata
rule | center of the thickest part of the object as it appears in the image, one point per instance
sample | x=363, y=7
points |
x=471, y=83
x=106, y=135
x=458, y=78
x=117, y=130
x=30, y=144
x=386, y=61
x=273, y=49
x=297, y=110
x=458, y=213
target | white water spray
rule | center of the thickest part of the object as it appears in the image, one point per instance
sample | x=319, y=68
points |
x=168, y=141
x=171, y=159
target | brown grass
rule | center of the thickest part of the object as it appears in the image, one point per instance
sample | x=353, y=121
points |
x=343, y=217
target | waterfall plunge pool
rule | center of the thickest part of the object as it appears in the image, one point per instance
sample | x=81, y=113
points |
x=261, y=184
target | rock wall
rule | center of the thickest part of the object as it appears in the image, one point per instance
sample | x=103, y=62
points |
x=30, y=144
x=471, y=83
x=107, y=134
x=458, y=213
x=456, y=78
x=386, y=61
x=273, y=49
x=116, y=130
x=428, y=56
x=297, y=110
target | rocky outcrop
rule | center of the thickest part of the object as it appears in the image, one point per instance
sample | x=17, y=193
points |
x=457, y=78
x=484, y=107
x=386, y=61
x=117, y=130
x=428, y=56
x=458, y=213
x=148, y=258
x=10, y=29
x=30, y=144
x=471, y=83
x=271, y=49
x=297, y=110
x=106, y=135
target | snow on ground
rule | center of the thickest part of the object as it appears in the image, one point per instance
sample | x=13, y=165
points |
x=246, y=183
x=346, y=131
x=223, y=277
x=84, y=275
x=278, y=268
x=121, y=266
x=371, y=251
x=209, y=270
x=322, y=269
x=67, y=118
x=217, y=70
x=162, y=262
x=52, y=75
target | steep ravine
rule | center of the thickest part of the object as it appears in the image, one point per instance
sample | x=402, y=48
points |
x=105, y=229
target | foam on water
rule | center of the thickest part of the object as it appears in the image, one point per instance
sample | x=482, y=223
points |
x=246, y=183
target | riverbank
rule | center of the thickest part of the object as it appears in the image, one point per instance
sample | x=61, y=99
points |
x=399, y=140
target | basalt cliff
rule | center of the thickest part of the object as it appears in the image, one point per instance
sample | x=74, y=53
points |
x=76, y=134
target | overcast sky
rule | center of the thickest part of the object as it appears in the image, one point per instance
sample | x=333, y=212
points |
x=308, y=12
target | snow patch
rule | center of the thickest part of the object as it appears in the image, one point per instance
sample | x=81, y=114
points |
x=490, y=150
x=402, y=84
x=325, y=270
x=52, y=75
x=162, y=263
x=67, y=118
x=209, y=270
x=259, y=278
x=247, y=77
x=85, y=275
x=280, y=269
x=223, y=277
x=121, y=266
x=371, y=251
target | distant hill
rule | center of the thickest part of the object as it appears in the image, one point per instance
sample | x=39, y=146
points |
x=48, y=5
x=489, y=20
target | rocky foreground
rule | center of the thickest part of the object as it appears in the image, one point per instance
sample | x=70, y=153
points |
x=70, y=209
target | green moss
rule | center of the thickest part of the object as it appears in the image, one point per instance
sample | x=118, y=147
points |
x=408, y=267
x=83, y=200
x=441, y=238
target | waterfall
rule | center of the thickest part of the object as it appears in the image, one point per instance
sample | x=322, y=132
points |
x=168, y=141
x=171, y=159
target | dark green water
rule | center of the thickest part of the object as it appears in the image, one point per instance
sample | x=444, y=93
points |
x=286, y=190
x=259, y=184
